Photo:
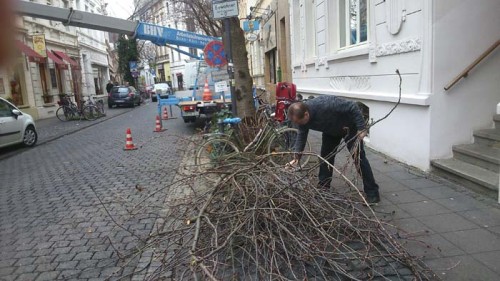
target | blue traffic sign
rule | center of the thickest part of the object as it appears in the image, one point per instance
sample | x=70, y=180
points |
x=133, y=66
x=161, y=36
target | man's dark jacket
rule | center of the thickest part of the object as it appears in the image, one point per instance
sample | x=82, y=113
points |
x=109, y=87
x=330, y=115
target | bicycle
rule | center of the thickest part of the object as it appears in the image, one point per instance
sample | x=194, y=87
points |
x=99, y=104
x=277, y=140
x=68, y=110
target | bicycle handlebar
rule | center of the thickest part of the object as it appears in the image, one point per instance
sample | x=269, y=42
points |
x=236, y=120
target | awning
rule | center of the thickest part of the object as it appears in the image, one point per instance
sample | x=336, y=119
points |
x=65, y=57
x=57, y=60
x=32, y=55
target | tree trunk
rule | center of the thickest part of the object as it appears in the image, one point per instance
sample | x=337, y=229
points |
x=243, y=79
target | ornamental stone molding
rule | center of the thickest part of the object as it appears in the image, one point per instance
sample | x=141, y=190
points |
x=395, y=14
x=350, y=83
x=397, y=47
x=321, y=61
x=303, y=67
x=372, y=54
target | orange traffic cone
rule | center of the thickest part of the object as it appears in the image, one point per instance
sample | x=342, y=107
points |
x=165, y=114
x=158, y=125
x=129, y=144
x=207, y=95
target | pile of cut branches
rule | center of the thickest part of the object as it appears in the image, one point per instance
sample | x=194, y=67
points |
x=260, y=222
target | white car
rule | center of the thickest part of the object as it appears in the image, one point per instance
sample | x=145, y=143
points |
x=162, y=89
x=16, y=126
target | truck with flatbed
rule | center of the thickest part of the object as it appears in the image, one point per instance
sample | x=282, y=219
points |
x=198, y=105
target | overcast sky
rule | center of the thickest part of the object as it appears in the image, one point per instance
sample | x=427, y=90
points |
x=120, y=8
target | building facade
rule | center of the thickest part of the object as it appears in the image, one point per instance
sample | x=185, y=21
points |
x=54, y=60
x=44, y=68
x=93, y=51
x=169, y=64
x=269, y=46
x=353, y=48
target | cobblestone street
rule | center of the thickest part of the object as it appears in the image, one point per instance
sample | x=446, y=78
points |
x=52, y=223
x=69, y=205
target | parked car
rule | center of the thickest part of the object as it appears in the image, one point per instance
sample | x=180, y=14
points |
x=162, y=89
x=146, y=91
x=16, y=126
x=124, y=96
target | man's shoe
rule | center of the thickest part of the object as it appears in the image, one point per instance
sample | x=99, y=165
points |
x=323, y=186
x=372, y=200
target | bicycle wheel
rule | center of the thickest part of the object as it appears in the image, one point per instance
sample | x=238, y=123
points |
x=284, y=141
x=213, y=155
x=90, y=112
x=64, y=113
x=100, y=108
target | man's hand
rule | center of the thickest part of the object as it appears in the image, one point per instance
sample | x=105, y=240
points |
x=362, y=134
x=292, y=164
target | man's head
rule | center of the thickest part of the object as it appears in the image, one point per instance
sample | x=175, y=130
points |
x=298, y=113
x=127, y=84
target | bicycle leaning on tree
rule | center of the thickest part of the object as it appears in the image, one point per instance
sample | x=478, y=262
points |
x=68, y=110
x=275, y=139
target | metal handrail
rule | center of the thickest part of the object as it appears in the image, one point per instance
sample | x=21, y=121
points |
x=466, y=71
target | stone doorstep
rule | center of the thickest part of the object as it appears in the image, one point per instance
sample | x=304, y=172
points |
x=474, y=176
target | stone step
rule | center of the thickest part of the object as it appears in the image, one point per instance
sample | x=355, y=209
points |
x=489, y=137
x=496, y=118
x=468, y=175
x=486, y=157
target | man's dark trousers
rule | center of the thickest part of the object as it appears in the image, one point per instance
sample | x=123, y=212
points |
x=328, y=146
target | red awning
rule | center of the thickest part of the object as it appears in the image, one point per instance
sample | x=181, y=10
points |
x=65, y=57
x=32, y=55
x=57, y=60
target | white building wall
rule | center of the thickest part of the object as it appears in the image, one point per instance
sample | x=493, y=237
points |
x=463, y=30
x=366, y=72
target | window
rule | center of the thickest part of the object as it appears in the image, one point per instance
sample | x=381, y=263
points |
x=5, y=109
x=353, y=22
x=271, y=58
x=310, y=20
x=296, y=51
x=53, y=78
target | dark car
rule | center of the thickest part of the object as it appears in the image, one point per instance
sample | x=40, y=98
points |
x=124, y=96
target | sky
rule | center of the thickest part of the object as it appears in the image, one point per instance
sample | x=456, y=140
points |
x=120, y=8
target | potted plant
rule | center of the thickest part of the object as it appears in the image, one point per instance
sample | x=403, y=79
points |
x=47, y=98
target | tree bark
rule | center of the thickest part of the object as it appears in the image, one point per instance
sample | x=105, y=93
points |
x=243, y=79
